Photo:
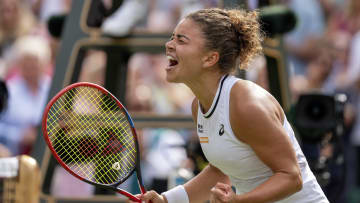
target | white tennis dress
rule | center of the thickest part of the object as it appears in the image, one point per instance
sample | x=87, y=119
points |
x=237, y=160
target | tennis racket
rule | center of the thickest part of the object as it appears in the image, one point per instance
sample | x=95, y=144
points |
x=92, y=136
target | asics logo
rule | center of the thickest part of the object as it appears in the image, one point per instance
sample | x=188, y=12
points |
x=221, y=131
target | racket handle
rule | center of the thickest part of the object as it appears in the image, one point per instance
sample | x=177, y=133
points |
x=143, y=191
x=130, y=196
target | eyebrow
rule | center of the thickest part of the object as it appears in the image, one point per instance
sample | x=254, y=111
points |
x=180, y=35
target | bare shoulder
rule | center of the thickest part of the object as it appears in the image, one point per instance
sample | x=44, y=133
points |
x=247, y=96
x=252, y=106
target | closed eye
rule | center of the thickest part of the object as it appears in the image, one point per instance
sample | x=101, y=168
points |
x=181, y=41
x=180, y=38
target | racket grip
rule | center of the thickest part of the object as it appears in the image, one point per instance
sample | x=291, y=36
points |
x=143, y=191
x=130, y=196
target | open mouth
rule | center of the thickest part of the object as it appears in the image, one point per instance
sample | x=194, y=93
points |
x=172, y=61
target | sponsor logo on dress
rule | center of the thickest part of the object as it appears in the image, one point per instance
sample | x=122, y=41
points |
x=200, y=128
x=221, y=131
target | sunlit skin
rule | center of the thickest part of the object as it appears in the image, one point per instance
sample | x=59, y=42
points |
x=196, y=65
x=185, y=45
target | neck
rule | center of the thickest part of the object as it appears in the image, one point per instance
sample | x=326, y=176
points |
x=204, y=88
x=33, y=86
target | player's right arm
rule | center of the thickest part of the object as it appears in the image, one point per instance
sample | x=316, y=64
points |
x=198, y=188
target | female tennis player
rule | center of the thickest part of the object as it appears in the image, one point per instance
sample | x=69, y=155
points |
x=242, y=128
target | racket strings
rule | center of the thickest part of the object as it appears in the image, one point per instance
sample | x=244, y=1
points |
x=91, y=134
x=105, y=148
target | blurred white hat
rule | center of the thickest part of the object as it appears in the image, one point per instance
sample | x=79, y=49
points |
x=32, y=45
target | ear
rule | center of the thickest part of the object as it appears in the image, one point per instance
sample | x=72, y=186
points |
x=210, y=59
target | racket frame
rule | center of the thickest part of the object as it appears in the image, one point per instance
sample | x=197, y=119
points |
x=114, y=186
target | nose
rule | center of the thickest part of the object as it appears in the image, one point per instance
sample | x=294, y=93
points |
x=170, y=45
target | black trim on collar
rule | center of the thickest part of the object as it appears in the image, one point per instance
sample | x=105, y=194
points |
x=217, y=99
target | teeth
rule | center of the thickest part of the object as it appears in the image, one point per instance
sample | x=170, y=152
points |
x=170, y=58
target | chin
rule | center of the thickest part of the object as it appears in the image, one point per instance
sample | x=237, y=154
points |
x=171, y=79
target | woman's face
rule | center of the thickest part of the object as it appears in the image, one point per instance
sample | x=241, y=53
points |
x=8, y=12
x=31, y=68
x=185, y=52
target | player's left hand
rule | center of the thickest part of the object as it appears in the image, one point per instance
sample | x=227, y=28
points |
x=222, y=193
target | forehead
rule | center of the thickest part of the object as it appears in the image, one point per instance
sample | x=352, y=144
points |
x=189, y=28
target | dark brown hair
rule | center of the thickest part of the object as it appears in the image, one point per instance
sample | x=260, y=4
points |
x=234, y=33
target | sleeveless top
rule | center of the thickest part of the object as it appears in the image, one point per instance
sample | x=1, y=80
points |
x=237, y=159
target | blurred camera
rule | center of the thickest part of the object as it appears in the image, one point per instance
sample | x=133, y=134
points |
x=317, y=114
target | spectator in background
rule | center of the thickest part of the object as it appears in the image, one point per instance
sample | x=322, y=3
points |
x=353, y=70
x=314, y=78
x=352, y=82
x=148, y=90
x=343, y=33
x=303, y=42
x=44, y=9
x=166, y=153
x=28, y=89
x=16, y=20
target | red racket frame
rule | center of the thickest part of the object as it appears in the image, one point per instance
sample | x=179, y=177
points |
x=111, y=186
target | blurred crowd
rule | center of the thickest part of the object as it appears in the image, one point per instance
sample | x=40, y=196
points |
x=321, y=51
x=27, y=57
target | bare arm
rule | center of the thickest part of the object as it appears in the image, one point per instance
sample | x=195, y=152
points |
x=198, y=188
x=257, y=119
